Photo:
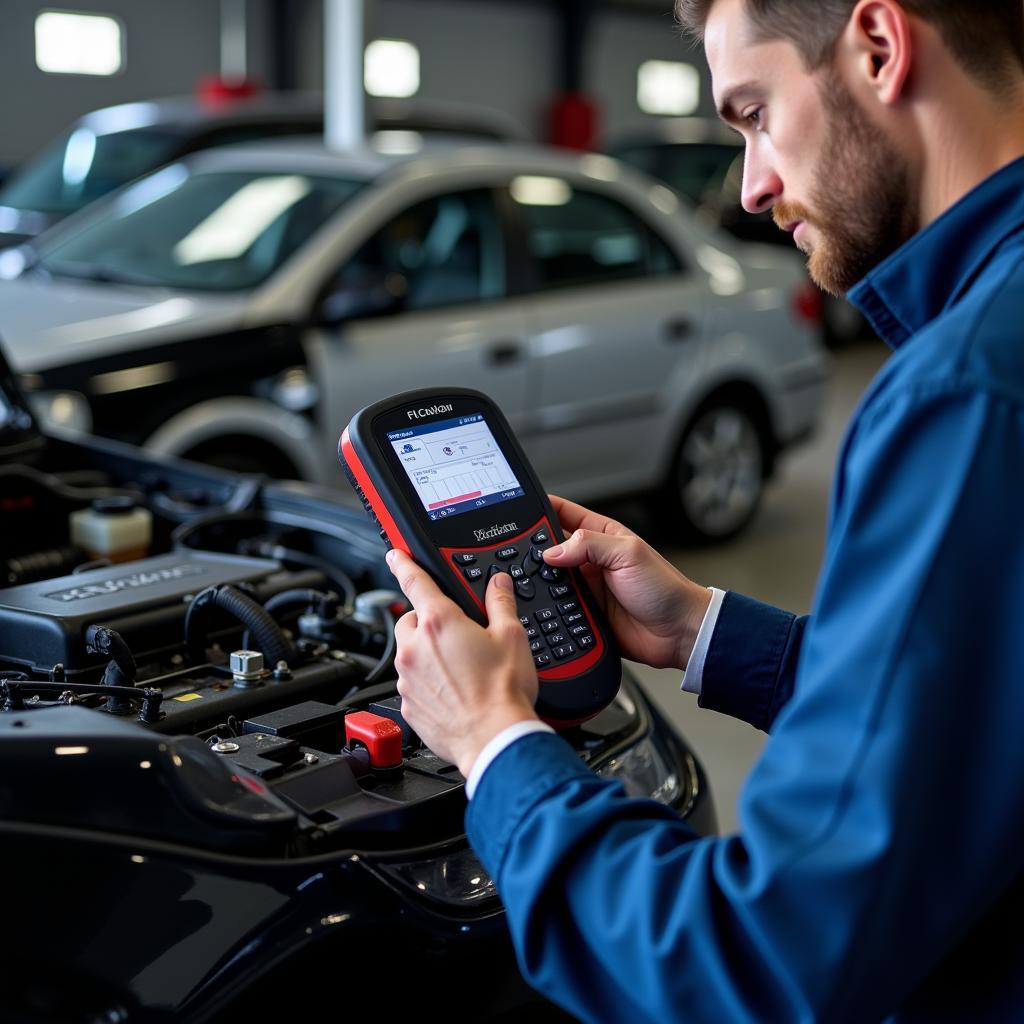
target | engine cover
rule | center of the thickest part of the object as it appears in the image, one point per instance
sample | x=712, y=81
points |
x=44, y=623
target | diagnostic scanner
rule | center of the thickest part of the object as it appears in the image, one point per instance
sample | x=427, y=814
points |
x=446, y=481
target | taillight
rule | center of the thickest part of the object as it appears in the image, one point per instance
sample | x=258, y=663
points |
x=809, y=303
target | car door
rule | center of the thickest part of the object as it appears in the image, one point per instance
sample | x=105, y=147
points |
x=615, y=321
x=429, y=302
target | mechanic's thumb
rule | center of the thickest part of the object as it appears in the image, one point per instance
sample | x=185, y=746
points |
x=500, y=599
x=600, y=549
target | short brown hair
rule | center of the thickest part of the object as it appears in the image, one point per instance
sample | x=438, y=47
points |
x=986, y=36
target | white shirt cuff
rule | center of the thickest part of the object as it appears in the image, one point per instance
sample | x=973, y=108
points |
x=693, y=680
x=504, y=739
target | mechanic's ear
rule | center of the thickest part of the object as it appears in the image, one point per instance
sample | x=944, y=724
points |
x=879, y=42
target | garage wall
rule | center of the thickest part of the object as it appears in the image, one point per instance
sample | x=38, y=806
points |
x=619, y=43
x=496, y=55
x=168, y=47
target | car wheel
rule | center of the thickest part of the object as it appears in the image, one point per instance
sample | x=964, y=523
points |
x=244, y=455
x=718, y=473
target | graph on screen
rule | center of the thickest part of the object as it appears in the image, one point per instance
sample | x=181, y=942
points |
x=456, y=465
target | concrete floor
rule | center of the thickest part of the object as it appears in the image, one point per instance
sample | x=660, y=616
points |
x=775, y=560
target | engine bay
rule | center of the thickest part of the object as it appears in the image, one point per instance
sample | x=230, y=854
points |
x=231, y=667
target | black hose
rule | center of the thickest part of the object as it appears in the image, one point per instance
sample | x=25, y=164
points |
x=121, y=670
x=269, y=637
x=335, y=531
x=387, y=659
x=289, y=557
x=325, y=604
x=56, y=485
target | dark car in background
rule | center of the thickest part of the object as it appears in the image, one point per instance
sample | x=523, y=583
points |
x=108, y=148
x=190, y=832
x=702, y=159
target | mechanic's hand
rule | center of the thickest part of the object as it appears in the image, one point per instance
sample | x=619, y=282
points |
x=654, y=611
x=460, y=683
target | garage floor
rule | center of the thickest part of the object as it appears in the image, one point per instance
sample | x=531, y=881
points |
x=776, y=560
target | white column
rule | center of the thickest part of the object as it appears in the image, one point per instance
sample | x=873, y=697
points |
x=233, y=57
x=344, y=95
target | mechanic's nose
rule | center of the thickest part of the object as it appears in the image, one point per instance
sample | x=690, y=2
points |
x=762, y=187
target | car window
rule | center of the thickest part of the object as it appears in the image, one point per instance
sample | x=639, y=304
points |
x=235, y=134
x=83, y=166
x=694, y=169
x=444, y=251
x=214, y=231
x=576, y=237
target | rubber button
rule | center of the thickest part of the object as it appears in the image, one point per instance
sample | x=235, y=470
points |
x=563, y=652
x=567, y=607
x=526, y=590
x=473, y=574
x=544, y=614
x=556, y=639
x=572, y=618
x=560, y=591
x=541, y=537
x=551, y=573
x=464, y=559
x=550, y=626
x=506, y=554
x=542, y=660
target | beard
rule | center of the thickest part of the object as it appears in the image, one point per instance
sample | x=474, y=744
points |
x=862, y=199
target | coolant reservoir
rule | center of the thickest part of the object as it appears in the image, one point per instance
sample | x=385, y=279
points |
x=114, y=528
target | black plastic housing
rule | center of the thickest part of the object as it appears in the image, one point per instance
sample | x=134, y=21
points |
x=569, y=693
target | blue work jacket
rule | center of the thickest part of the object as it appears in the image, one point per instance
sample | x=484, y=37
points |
x=877, y=870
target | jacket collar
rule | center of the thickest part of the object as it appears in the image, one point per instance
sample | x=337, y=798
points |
x=931, y=271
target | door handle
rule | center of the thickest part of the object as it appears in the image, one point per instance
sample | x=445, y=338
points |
x=679, y=329
x=504, y=352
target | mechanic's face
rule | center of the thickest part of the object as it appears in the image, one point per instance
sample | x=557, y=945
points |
x=813, y=157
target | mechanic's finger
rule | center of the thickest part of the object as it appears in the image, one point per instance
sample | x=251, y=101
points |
x=501, y=602
x=415, y=583
x=405, y=626
x=604, y=549
x=577, y=517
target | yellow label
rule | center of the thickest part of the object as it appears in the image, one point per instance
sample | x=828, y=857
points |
x=188, y=696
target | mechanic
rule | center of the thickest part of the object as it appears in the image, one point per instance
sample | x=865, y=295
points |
x=877, y=871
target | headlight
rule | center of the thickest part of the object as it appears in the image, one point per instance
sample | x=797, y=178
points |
x=645, y=771
x=66, y=410
x=457, y=879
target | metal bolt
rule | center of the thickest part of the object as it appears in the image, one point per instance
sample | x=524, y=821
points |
x=226, y=747
x=311, y=759
x=246, y=665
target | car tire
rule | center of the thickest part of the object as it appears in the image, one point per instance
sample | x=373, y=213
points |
x=842, y=323
x=718, y=472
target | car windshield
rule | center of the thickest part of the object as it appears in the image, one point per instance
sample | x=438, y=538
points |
x=84, y=165
x=215, y=231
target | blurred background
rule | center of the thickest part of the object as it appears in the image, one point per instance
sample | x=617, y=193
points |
x=227, y=224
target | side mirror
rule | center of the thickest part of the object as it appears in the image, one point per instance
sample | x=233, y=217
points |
x=375, y=296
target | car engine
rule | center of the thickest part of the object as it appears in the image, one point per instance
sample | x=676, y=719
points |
x=197, y=695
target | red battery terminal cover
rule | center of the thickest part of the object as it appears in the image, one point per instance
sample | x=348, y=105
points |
x=381, y=737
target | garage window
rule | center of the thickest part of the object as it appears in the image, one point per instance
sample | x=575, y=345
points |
x=587, y=239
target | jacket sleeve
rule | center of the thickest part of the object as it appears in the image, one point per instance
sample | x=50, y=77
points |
x=750, y=668
x=883, y=818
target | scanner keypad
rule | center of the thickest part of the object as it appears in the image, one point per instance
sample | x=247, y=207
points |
x=550, y=613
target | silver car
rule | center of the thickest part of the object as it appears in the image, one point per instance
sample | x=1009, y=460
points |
x=239, y=306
